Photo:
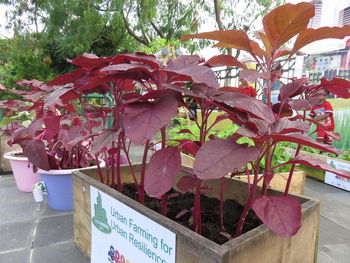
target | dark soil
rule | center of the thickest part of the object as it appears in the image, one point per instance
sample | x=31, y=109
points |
x=210, y=211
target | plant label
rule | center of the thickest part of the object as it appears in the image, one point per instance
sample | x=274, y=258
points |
x=337, y=180
x=119, y=234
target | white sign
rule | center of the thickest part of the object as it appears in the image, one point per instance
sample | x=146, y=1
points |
x=337, y=180
x=120, y=234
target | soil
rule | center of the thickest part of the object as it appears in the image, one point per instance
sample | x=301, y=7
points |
x=210, y=211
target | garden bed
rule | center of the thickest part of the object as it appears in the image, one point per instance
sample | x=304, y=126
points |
x=259, y=244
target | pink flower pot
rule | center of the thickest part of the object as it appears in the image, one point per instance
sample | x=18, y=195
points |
x=22, y=171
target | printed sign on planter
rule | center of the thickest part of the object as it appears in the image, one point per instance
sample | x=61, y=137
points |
x=119, y=234
x=337, y=180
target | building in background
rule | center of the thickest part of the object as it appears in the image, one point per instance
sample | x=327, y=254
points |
x=315, y=22
x=344, y=17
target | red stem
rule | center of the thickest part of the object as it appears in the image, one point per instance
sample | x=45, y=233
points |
x=143, y=171
x=222, y=203
x=197, y=220
x=247, y=207
x=290, y=176
x=119, y=178
x=99, y=169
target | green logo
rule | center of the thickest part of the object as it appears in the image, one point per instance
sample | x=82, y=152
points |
x=100, y=219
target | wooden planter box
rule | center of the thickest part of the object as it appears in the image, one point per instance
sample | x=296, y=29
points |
x=258, y=245
x=278, y=182
x=321, y=175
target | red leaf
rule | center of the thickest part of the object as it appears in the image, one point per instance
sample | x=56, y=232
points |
x=187, y=183
x=339, y=87
x=104, y=139
x=249, y=75
x=233, y=38
x=188, y=146
x=286, y=110
x=164, y=165
x=54, y=97
x=286, y=21
x=70, y=77
x=300, y=104
x=281, y=214
x=185, y=131
x=284, y=126
x=188, y=66
x=311, y=35
x=217, y=158
x=142, y=120
x=292, y=89
x=52, y=124
x=318, y=164
x=304, y=140
x=89, y=61
x=225, y=60
x=35, y=151
x=150, y=60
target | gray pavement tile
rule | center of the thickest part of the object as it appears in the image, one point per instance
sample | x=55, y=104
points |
x=338, y=253
x=7, y=180
x=331, y=207
x=51, y=230
x=332, y=233
x=10, y=195
x=16, y=236
x=46, y=211
x=19, y=212
x=18, y=256
x=59, y=253
x=324, y=258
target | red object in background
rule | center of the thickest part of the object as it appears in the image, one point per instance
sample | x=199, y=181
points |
x=248, y=90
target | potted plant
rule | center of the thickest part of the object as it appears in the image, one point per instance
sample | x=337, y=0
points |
x=22, y=169
x=54, y=141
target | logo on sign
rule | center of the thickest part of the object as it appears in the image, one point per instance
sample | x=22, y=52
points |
x=100, y=220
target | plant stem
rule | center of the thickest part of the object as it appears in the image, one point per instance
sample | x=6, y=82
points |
x=164, y=196
x=143, y=171
x=99, y=169
x=197, y=220
x=247, y=207
x=222, y=203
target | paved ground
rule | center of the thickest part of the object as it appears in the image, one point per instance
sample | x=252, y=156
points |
x=32, y=233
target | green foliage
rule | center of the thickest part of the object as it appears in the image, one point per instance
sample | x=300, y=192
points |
x=24, y=116
x=173, y=132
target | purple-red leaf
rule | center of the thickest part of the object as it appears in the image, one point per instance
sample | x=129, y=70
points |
x=54, y=97
x=185, y=131
x=52, y=124
x=35, y=151
x=217, y=158
x=318, y=164
x=188, y=66
x=292, y=89
x=300, y=104
x=164, y=165
x=142, y=120
x=188, y=146
x=105, y=139
x=187, y=183
x=339, y=87
x=281, y=214
x=225, y=60
x=304, y=140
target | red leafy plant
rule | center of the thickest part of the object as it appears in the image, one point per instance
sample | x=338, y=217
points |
x=147, y=96
x=55, y=139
